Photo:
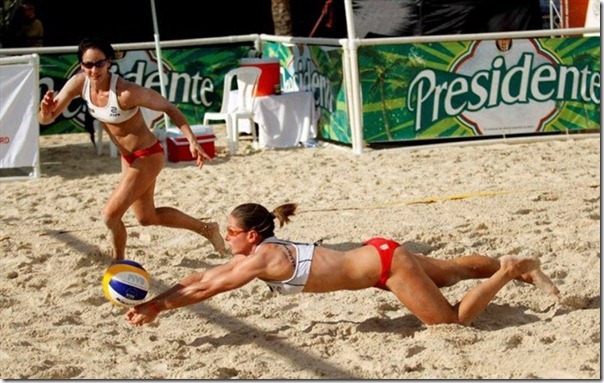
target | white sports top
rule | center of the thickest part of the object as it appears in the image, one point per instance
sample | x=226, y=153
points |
x=304, y=255
x=111, y=113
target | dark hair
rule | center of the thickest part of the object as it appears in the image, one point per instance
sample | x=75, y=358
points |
x=500, y=47
x=252, y=216
x=95, y=43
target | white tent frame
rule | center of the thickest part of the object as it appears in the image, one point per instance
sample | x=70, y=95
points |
x=160, y=133
x=350, y=47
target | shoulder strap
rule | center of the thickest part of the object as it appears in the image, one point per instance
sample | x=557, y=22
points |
x=113, y=83
x=112, y=90
x=86, y=89
x=285, y=242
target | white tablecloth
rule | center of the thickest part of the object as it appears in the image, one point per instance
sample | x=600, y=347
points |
x=283, y=120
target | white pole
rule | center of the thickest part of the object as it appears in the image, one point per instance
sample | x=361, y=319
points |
x=35, y=59
x=356, y=122
x=160, y=67
x=551, y=14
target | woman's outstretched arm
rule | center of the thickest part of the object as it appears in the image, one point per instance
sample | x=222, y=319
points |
x=198, y=287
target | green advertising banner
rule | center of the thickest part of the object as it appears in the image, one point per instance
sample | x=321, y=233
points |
x=480, y=88
x=409, y=91
x=319, y=69
x=193, y=80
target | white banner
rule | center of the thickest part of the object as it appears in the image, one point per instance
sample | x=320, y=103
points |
x=592, y=19
x=19, y=127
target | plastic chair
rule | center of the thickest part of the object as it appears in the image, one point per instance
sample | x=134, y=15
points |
x=247, y=81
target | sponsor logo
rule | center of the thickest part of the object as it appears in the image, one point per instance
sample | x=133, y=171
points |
x=487, y=81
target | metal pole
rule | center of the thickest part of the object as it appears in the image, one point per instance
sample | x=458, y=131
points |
x=356, y=122
x=160, y=66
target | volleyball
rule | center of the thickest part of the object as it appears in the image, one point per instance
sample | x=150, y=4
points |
x=126, y=283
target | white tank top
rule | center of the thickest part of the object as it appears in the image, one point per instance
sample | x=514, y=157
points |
x=304, y=255
x=111, y=113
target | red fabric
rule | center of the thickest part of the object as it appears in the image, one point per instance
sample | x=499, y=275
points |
x=157, y=147
x=386, y=249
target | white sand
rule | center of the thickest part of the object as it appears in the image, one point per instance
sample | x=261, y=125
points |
x=540, y=199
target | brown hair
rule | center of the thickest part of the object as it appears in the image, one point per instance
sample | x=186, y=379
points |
x=253, y=216
x=95, y=43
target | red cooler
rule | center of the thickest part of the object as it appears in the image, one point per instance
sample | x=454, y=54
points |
x=178, y=145
x=270, y=76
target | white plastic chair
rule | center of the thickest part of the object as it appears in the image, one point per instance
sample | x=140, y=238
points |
x=247, y=81
x=98, y=130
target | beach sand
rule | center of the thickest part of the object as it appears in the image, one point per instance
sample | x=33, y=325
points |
x=523, y=198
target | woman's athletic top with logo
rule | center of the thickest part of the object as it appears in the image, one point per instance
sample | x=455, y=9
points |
x=111, y=113
x=304, y=255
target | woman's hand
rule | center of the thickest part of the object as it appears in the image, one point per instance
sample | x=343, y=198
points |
x=142, y=314
x=48, y=105
x=198, y=153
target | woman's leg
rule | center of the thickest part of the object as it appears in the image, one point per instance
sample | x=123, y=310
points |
x=171, y=217
x=447, y=272
x=147, y=214
x=420, y=294
x=135, y=183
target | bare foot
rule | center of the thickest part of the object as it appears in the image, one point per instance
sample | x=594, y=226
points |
x=540, y=281
x=211, y=231
x=519, y=265
x=216, y=240
x=535, y=277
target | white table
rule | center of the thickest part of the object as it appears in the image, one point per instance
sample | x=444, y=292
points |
x=284, y=120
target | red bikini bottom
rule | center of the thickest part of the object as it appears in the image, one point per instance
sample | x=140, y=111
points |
x=386, y=249
x=157, y=147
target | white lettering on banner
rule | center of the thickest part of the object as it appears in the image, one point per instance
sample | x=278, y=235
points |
x=192, y=88
x=308, y=78
x=47, y=82
x=428, y=96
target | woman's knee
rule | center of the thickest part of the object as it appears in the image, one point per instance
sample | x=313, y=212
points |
x=406, y=261
x=110, y=218
x=146, y=220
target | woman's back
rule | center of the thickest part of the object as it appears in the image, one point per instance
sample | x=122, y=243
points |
x=343, y=270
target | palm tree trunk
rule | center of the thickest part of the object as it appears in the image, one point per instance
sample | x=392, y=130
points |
x=282, y=18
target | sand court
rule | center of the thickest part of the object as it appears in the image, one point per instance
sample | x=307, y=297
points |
x=539, y=199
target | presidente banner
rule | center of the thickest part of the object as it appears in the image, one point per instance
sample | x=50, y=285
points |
x=319, y=69
x=480, y=88
x=193, y=79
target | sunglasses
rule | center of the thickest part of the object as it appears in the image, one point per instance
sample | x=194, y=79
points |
x=91, y=64
x=233, y=232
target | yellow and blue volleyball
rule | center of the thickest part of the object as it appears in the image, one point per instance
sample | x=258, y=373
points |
x=126, y=283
